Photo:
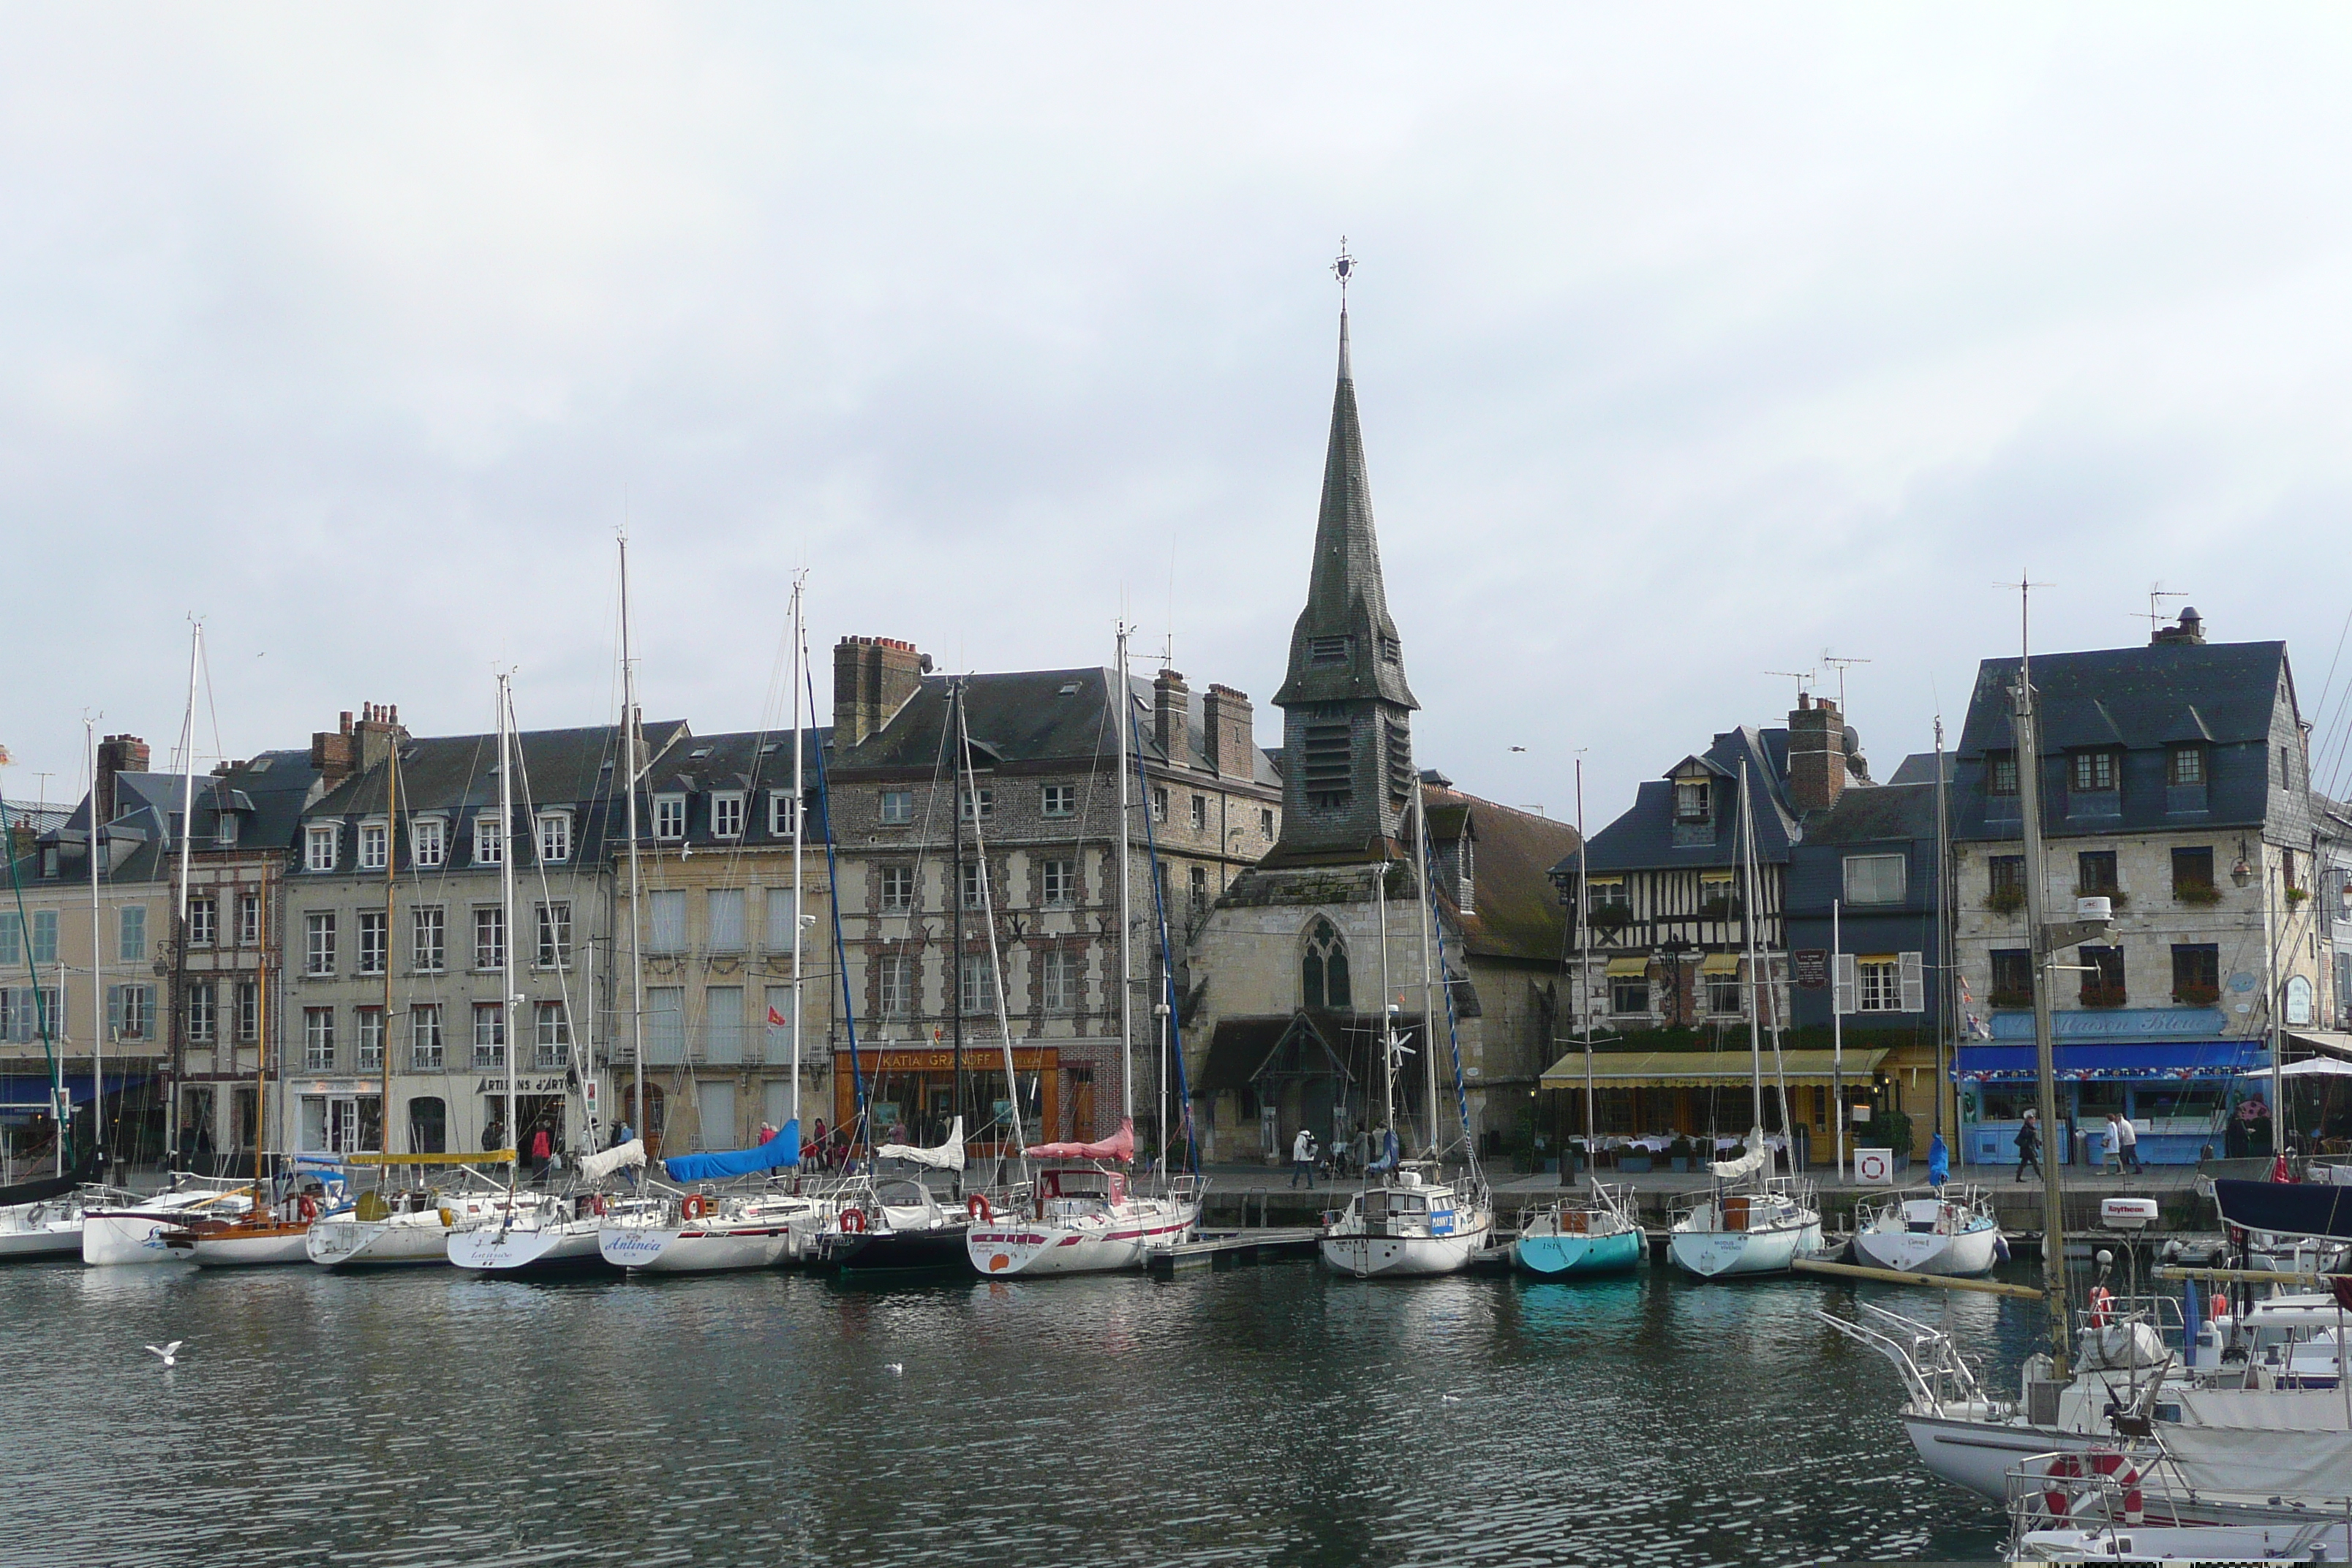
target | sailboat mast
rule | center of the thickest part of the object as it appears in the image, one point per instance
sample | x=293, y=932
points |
x=1944, y=997
x=2029, y=805
x=180, y=915
x=260, y=1036
x=390, y=888
x=1388, y=1011
x=1123, y=701
x=506, y=918
x=632, y=744
x=799, y=798
x=1430, y=977
x=96, y=962
x=1755, y=978
x=1585, y=969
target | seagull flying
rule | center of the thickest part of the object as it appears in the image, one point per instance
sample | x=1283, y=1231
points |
x=171, y=1353
x=1518, y=748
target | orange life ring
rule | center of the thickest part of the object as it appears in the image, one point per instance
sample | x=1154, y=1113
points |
x=976, y=1207
x=852, y=1221
x=2059, y=1502
x=307, y=1208
x=694, y=1206
x=2102, y=1303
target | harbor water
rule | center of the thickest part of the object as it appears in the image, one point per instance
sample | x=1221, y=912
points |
x=1274, y=1415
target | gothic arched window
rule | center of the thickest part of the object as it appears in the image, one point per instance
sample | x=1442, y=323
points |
x=1323, y=968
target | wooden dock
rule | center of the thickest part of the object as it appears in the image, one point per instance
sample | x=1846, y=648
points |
x=1224, y=1249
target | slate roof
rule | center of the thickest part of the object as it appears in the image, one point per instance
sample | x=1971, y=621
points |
x=1919, y=767
x=2146, y=696
x=1515, y=909
x=1877, y=813
x=752, y=761
x=1643, y=837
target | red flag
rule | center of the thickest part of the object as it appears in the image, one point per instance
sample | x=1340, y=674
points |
x=2278, y=1169
x=776, y=1020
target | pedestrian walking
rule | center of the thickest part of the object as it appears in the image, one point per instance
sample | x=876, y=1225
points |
x=2127, y=1144
x=2029, y=1148
x=1302, y=1158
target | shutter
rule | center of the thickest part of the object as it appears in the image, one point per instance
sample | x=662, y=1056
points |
x=1842, y=992
x=1914, y=983
x=114, y=1011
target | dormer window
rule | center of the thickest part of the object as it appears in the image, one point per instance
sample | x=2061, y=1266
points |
x=489, y=843
x=726, y=816
x=2185, y=766
x=783, y=812
x=224, y=828
x=428, y=842
x=2094, y=771
x=554, y=837
x=669, y=817
x=376, y=846
x=318, y=847
x=1691, y=803
x=2000, y=773
x=1322, y=651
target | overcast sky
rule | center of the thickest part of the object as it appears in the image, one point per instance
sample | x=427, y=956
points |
x=1690, y=343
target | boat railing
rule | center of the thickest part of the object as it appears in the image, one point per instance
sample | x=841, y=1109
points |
x=1931, y=1366
x=2103, y=1488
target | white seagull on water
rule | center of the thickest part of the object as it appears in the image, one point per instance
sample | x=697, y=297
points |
x=171, y=1353
x=893, y=1366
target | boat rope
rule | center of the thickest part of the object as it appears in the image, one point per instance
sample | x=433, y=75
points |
x=1453, y=1029
x=832, y=898
x=1168, y=976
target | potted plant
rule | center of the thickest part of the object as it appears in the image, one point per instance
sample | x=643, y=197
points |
x=1612, y=916
x=2196, y=995
x=2005, y=901
x=1679, y=1153
x=2296, y=895
x=2202, y=894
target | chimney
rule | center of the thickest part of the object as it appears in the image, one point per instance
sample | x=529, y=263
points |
x=1816, y=754
x=1169, y=715
x=872, y=680
x=2192, y=628
x=1232, y=736
x=116, y=754
x=375, y=735
x=331, y=753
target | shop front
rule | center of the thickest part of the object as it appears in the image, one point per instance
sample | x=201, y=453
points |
x=2169, y=1070
x=912, y=1092
x=1655, y=1108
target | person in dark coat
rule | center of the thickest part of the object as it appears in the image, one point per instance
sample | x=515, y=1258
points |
x=2029, y=1148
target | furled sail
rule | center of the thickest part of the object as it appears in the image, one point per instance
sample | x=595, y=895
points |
x=1757, y=1158
x=2286, y=1210
x=1120, y=1146
x=947, y=1157
x=784, y=1149
x=596, y=1167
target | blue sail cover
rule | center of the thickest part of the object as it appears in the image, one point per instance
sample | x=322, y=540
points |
x=784, y=1149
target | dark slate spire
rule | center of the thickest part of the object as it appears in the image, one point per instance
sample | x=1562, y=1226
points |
x=1344, y=645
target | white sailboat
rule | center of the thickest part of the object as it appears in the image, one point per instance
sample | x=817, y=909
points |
x=1750, y=1221
x=132, y=1231
x=1950, y=1231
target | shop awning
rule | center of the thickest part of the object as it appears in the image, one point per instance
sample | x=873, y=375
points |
x=1625, y=968
x=2147, y=1060
x=1720, y=964
x=2310, y=1066
x=1700, y=1069
x=2331, y=1040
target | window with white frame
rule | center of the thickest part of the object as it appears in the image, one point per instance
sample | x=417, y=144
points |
x=977, y=804
x=1265, y=821
x=976, y=983
x=203, y=922
x=783, y=812
x=249, y=919
x=319, y=847
x=131, y=1012
x=319, y=943
x=1057, y=979
x=665, y=920
x=249, y=1011
x=1875, y=878
x=489, y=1035
x=1060, y=800
x=425, y=1037
x=722, y=913
x=491, y=938
x=669, y=817
x=376, y=846
x=554, y=837
x=367, y=1038
x=897, y=807
x=783, y=914
x=1200, y=814
x=554, y=1037
x=1158, y=803
x=898, y=888
x=975, y=885
x=202, y=1020
x=894, y=975
x=490, y=840
x=428, y=939
x=665, y=1026
x=428, y=842
x=554, y=950
x=726, y=816
x=131, y=934
x=1060, y=883
x=375, y=942
x=318, y=1040
x=1890, y=982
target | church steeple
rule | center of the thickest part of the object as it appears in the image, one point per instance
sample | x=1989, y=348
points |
x=1347, y=772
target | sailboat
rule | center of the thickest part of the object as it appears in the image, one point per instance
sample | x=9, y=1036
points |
x=1085, y=1215
x=1751, y=1221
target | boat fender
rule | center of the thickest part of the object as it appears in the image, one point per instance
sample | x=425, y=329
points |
x=694, y=1206
x=596, y=1205
x=2102, y=1301
x=852, y=1221
x=448, y=1220
x=976, y=1207
x=308, y=1208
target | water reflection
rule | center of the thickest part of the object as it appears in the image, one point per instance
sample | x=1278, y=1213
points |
x=1273, y=1414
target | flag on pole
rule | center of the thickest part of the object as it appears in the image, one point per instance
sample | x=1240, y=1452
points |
x=777, y=1020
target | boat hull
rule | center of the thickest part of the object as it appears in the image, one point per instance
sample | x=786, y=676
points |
x=569, y=1249
x=1368, y=1256
x=1960, y=1256
x=1723, y=1254
x=939, y=1250
x=1109, y=1246
x=263, y=1247
x=115, y=1239
x=695, y=1249
x=377, y=1244
x=1569, y=1256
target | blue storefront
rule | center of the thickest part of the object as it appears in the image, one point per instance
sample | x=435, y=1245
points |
x=2170, y=1069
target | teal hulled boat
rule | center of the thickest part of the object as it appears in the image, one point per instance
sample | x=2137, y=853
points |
x=1593, y=1235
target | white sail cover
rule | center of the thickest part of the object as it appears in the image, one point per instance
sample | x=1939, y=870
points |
x=947, y=1157
x=1756, y=1159
x=596, y=1167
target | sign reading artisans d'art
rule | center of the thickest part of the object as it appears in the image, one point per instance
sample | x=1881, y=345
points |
x=1812, y=968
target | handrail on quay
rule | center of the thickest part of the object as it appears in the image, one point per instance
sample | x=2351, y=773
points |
x=1897, y=1277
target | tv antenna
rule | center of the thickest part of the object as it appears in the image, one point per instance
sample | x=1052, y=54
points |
x=1841, y=666
x=1803, y=678
x=2156, y=592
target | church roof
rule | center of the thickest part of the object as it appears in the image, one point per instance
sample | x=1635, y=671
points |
x=1515, y=909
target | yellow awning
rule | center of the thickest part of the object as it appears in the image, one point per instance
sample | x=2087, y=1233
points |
x=1700, y=1069
x=476, y=1157
x=1720, y=964
x=1623, y=968
x=1707, y=879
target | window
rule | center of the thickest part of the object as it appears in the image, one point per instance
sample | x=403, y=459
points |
x=131, y=943
x=1877, y=983
x=722, y=911
x=1612, y=904
x=727, y=816
x=318, y=847
x=553, y=1037
x=665, y=910
x=2094, y=874
x=1059, y=800
x=665, y=1026
x=319, y=943
x=894, y=975
x=2094, y=772
x=898, y=888
x=11, y=940
x=249, y=1011
x=1726, y=993
x=1323, y=968
x=224, y=828
x=489, y=843
x=318, y=1040
x=425, y=1037
x=1200, y=814
x=976, y=984
x=897, y=807
x=2197, y=974
x=1327, y=763
x=1158, y=803
x=2005, y=883
x=249, y=919
x=2001, y=773
x=376, y=846
x=367, y=1037
x=489, y=1035
x=2287, y=879
x=1875, y=878
x=783, y=916
x=1690, y=800
x=722, y=1024
x=45, y=936
x=131, y=1012
x=1060, y=884
x=2185, y=766
x=555, y=837
x=1199, y=887
x=427, y=940
x=428, y=842
x=783, y=814
x=2012, y=977
x=2192, y=876
x=1629, y=993
x=203, y=1024
x=30, y=1012
x=203, y=926
x=490, y=938
x=985, y=799
x=975, y=885
x=1325, y=651
x=1057, y=979
x=2102, y=976
x=375, y=942
x=1265, y=821
x=554, y=936
x=428, y=1125
x=669, y=817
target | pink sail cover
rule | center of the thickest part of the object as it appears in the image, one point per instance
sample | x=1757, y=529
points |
x=1120, y=1146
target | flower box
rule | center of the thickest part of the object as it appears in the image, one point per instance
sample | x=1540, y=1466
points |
x=2196, y=995
x=2005, y=901
x=2203, y=895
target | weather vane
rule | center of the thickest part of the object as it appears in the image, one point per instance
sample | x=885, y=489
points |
x=1343, y=268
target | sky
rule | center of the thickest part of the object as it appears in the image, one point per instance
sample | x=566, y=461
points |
x=1692, y=342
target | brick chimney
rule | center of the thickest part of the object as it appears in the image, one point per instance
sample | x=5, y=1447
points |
x=1816, y=754
x=2192, y=628
x=1169, y=715
x=872, y=680
x=331, y=754
x=375, y=735
x=116, y=754
x=1232, y=736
